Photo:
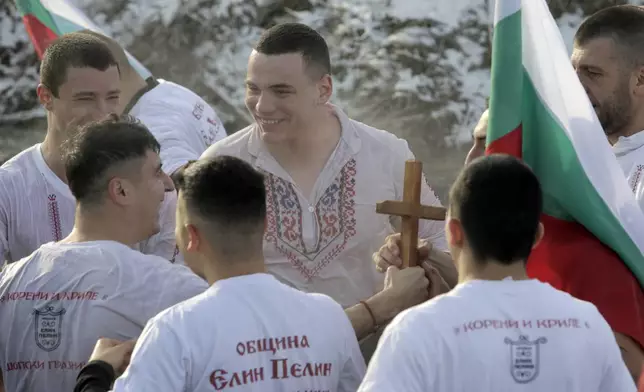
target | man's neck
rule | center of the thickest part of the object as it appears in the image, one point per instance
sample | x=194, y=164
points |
x=101, y=224
x=131, y=84
x=469, y=270
x=311, y=145
x=50, y=149
x=635, y=127
x=215, y=268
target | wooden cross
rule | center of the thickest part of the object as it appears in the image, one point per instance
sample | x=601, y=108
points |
x=411, y=211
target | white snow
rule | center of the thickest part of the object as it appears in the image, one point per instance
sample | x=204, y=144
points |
x=374, y=62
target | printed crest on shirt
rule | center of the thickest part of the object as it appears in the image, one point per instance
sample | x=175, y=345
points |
x=334, y=214
x=524, y=358
x=48, y=327
x=197, y=111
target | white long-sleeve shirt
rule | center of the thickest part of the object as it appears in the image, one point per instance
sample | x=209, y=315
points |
x=324, y=245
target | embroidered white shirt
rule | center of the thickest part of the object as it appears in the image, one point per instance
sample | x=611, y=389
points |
x=37, y=207
x=325, y=244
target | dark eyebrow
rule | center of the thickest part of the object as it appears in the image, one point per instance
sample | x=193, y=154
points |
x=282, y=86
x=90, y=94
x=83, y=94
x=591, y=68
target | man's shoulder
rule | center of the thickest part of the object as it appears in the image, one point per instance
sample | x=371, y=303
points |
x=235, y=145
x=323, y=302
x=379, y=139
x=170, y=97
x=17, y=164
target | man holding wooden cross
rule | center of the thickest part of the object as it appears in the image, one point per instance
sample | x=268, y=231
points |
x=324, y=175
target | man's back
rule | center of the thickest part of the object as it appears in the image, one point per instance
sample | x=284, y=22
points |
x=499, y=336
x=183, y=123
x=57, y=302
x=249, y=332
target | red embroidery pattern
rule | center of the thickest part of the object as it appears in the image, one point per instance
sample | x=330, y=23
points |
x=54, y=217
x=335, y=214
x=635, y=180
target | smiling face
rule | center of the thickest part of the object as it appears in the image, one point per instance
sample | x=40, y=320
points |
x=150, y=192
x=606, y=79
x=87, y=94
x=283, y=95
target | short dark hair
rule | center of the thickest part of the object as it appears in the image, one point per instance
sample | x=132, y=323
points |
x=288, y=38
x=228, y=196
x=498, y=200
x=117, y=50
x=623, y=23
x=73, y=50
x=100, y=147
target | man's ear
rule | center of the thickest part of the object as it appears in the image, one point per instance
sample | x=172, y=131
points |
x=638, y=77
x=120, y=191
x=325, y=87
x=194, y=238
x=539, y=236
x=456, y=235
x=45, y=97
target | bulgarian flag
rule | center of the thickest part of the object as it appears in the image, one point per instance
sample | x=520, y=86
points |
x=46, y=20
x=539, y=112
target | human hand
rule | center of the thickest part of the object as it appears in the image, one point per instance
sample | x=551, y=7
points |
x=114, y=352
x=389, y=254
x=437, y=285
x=404, y=288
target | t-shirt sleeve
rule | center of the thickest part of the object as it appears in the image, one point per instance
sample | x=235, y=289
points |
x=433, y=231
x=354, y=367
x=158, y=362
x=178, y=285
x=616, y=376
x=166, y=285
x=396, y=364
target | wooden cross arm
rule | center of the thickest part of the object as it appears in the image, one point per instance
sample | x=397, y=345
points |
x=401, y=208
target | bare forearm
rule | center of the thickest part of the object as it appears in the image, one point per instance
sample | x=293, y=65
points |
x=361, y=319
x=632, y=354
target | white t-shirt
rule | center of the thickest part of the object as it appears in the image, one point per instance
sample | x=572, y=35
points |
x=247, y=333
x=183, y=123
x=496, y=336
x=323, y=242
x=56, y=303
x=37, y=207
x=630, y=155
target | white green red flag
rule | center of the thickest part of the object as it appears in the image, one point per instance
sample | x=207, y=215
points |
x=46, y=20
x=539, y=112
